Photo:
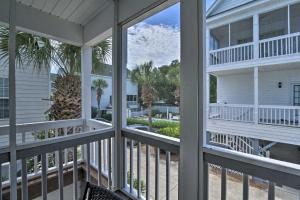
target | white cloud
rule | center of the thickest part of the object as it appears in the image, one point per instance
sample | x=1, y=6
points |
x=159, y=43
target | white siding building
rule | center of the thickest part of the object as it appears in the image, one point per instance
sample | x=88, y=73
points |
x=32, y=94
x=131, y=91
x=253, y=48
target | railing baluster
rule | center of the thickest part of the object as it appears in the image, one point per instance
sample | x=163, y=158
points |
x=99, y=162
x=44, y=176
x=157, y=161
x=75, y=174
x=271, y=191
x=245, y=187
x=24, y=181
x=60, y=174
x=109, y=164
x=223, y=183
x=131, y=166
x=147, y=172
x=88, y=162
x=168, y=157
x=66, y=150
x=139, y=170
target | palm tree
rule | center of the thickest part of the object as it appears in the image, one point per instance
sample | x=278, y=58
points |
x=145, y=76
x=99, y=84
x=42, y=52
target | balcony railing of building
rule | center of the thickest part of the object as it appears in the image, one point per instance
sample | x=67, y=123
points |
x=267, y=114
x=268, y=48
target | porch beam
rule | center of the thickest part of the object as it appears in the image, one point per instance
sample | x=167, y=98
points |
x=192, y=76
x=12, y=99
x=47, y=25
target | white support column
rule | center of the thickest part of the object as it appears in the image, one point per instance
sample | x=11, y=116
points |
x=289, y=19
x=207, y=95
x=86, y=69
x=12, y=100
x=119, y=100
x=191, y=177
x=256, y=36
x=256, y=103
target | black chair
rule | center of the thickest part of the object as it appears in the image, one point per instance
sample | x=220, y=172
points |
x=93, y=192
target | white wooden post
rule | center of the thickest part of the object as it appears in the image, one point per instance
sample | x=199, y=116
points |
x=256, y=36
x=256, y=95
x=119, y=99
x=289, y=19
x=12, y=100
x=192, y=179
x=86, y=69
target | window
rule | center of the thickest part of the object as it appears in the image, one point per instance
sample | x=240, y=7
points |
x=152, y=81
x=295, y=18
x=4, y=99
x=131, y=97
x=296, y=95
x=219, y=37
x=241, y=32
x=274, y=23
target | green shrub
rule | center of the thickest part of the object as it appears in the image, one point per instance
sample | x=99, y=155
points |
x=107, y=116
x=155, y=124
x=170, y=131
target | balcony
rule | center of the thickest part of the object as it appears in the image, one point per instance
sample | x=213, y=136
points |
x=288, y=116
x=281, y=47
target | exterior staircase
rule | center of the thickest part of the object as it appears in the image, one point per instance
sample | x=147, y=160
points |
x=237, y=143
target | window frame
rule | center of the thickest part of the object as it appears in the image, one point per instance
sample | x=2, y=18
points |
x=5, y=90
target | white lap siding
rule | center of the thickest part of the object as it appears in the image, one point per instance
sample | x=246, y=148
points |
x=32, y=94
x=239, y=88
x=235, y=89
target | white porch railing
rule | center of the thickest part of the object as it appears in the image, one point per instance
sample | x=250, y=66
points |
x=279, y=46
x=267, y=114
x=279, y=115
x=232, y=112
x=237, y=53
x=55, y=146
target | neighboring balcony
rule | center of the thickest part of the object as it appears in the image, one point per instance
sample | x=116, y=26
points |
x=266, y=122
x=268, y=38
x=288, y=116
x=276, y=47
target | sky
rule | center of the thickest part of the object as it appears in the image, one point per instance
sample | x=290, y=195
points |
x=156, y=39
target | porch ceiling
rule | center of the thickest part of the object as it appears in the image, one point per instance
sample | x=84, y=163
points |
x=76, y=11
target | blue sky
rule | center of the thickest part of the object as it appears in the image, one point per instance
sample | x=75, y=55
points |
x=157, y=38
